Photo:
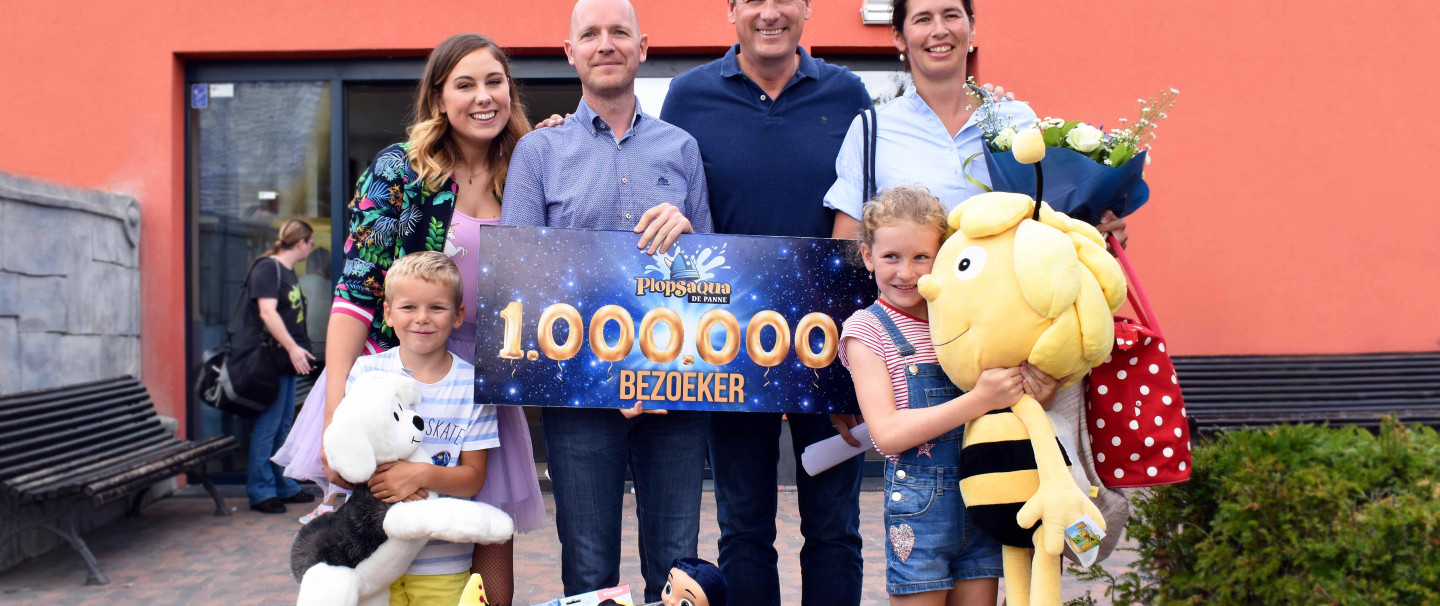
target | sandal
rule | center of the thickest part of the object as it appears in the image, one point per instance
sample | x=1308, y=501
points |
x=320, y=510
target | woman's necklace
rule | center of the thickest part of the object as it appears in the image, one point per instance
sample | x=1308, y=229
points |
x=470, y=175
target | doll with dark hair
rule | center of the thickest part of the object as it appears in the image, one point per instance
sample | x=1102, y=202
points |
x=695, y=582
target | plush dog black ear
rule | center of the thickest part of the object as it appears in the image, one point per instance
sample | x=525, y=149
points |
x=344, y=537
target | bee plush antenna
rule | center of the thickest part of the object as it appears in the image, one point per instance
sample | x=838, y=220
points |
x=1039, y=187
x=1029, y=148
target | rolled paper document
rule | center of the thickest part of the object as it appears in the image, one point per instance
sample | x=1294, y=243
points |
x=832, y=451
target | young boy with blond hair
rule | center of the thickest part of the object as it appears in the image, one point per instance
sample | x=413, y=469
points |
x=423, y=305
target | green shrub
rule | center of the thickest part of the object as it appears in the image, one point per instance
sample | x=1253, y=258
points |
x=1292, y=515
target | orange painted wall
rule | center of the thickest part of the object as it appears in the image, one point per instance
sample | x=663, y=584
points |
x=1285, y=216
x=1288, y=212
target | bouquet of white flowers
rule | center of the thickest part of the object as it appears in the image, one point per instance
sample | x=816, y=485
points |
x=1095, y=172
x=1113, y=149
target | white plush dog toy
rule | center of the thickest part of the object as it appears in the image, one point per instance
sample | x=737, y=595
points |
x=352, y=555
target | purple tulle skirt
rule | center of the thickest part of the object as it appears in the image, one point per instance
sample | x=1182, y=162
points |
x=510, y=480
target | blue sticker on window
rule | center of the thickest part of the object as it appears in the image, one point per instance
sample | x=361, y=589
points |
x=199, y=96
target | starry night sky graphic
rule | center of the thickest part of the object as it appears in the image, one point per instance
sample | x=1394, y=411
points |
x=591, y=269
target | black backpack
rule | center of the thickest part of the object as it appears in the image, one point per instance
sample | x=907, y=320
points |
x=239, y=377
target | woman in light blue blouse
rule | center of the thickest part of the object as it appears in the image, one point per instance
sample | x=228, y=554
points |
x=923, y=138
x=925, y=135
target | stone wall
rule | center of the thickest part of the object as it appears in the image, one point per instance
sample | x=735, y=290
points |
x=69, y=285
x=69, y=311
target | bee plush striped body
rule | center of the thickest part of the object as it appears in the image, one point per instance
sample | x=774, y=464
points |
x=998, y=475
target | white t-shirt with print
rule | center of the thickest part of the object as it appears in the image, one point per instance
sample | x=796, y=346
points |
x=453, y=423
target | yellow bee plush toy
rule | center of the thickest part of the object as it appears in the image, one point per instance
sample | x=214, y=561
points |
x=1016, y=283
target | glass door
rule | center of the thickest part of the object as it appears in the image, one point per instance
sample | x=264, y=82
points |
x=260, y=155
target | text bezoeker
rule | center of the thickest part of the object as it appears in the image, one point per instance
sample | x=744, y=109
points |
x=681, y=386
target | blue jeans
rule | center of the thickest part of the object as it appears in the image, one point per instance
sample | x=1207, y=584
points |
x=588, y=451
x=931, y=543
x=939, y=544
x=744, y=451
x=266, y=480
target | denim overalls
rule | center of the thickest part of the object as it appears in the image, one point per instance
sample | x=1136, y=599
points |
x=931, y=543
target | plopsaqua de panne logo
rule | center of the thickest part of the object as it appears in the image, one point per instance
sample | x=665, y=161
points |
x=687, y=275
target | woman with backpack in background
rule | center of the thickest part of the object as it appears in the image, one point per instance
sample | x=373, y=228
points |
x=277, y=305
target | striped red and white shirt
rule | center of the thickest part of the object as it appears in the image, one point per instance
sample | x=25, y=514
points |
x=864, y=327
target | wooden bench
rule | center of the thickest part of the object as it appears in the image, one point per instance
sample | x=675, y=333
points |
x=98, y=442
x=1223, y=392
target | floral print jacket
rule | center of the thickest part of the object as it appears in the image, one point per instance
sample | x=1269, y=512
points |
x=390, y=215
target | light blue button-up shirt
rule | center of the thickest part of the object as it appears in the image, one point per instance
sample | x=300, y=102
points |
x=914, y=148
x=577, y=175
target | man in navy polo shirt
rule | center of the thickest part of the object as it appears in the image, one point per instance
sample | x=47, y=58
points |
x=770, y=119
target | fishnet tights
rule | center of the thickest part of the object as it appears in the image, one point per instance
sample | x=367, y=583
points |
x=496, y=565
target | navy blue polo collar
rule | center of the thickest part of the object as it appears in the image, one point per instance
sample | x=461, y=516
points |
x=730, y=64
x=593, y=122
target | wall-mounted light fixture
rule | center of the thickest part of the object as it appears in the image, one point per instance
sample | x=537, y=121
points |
x=876, y=12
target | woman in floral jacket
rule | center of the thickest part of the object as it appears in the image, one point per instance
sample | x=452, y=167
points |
x=431, y=192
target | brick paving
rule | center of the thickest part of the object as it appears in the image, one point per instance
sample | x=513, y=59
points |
x=177, y=553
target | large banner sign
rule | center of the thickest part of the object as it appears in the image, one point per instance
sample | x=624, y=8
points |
x=739, y=323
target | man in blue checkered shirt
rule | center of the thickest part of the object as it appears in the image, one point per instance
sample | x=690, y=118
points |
x=612, y=166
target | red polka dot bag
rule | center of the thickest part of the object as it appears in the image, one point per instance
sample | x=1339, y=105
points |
x=1134, y=411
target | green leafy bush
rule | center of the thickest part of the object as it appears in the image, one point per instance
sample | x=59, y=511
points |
x=1292, y=515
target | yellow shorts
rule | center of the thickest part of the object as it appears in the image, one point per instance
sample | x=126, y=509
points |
x=428, y=590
